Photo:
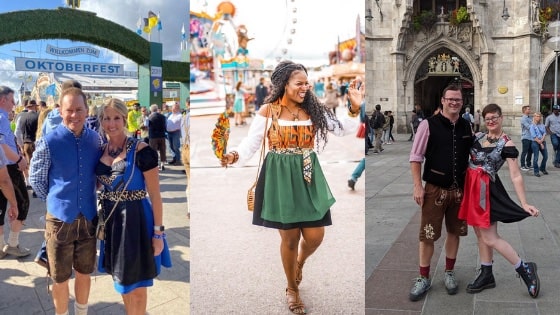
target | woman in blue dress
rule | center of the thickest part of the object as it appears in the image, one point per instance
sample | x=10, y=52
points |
x=134, y=246
x=239, y=104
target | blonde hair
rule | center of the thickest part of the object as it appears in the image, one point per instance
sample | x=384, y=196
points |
x=535, y=115
x=117, y=105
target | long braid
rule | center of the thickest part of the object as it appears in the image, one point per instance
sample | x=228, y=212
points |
x=317, y=111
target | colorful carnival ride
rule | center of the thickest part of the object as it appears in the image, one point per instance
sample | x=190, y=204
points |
x=219, y=56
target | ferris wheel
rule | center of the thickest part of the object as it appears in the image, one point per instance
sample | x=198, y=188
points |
x=282, y=48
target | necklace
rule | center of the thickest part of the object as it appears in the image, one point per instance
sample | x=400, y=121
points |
x=492, y=140
x=296, y=115
x=115, y=152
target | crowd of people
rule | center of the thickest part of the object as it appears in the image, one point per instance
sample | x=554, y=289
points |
x=112, y=195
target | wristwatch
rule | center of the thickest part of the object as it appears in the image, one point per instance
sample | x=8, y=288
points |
x=159, y=228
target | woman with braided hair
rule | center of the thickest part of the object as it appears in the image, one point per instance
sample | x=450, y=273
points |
x=292, y=194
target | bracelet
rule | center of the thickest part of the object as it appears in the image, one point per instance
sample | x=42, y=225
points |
x=20, y=158
x=235, y=156
x=158, y=236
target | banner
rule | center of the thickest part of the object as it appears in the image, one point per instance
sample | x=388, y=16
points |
x=48, y=65
x=156, y=82
x=72, y=51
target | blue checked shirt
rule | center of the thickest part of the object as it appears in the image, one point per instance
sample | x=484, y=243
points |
x=40, y=165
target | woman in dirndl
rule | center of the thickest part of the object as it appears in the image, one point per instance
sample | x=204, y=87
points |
x=486, y=202
x=292, y=194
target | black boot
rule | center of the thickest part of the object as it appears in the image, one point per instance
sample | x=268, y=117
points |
x=485, y=280
x=528, y=272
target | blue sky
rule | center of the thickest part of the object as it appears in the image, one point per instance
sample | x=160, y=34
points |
x=124, y=12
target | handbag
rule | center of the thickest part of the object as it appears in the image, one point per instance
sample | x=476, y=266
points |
x=100, y=229
x=251, y=191
x=361, y=131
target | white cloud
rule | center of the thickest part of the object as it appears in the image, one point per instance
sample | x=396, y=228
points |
x=126, y=13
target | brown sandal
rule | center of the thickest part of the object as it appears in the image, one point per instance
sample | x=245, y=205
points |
x=295, y=304
x=299, y=272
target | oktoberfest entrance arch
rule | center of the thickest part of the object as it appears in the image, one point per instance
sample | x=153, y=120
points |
x=77, y=25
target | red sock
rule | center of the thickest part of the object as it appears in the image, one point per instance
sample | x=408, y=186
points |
x=450, y=263
x=425, y=271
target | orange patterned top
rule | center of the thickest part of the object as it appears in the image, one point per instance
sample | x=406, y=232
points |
x=287, y=135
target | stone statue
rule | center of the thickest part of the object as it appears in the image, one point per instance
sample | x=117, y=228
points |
x=535, y=14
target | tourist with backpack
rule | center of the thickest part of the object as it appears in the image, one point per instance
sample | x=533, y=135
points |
x=376, y=122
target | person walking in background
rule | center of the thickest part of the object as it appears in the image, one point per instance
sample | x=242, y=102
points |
x=156, y=134
x=385, y=138
x=319, y=88
x=442, y=142
x=468, y=116
x=416, y=119
x=143, y=124
x=174, y=133
x=17, y=164
x=331, y=98
x=71, y=199
x=538, y=133
x=477, y=120
x=486, y=202
x=526, y=139
x=26, y=132
x=134, y=247
x=391, y=123
x=91, y=121
x=261, y=91
x=356, y=96
x=132, y=119
x=376, y=122
x=552, y=125
x=8, y=190
x=239, y=104
x=292, y=194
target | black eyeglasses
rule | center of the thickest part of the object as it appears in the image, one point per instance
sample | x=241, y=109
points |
x=492, y=119
x=454, y=100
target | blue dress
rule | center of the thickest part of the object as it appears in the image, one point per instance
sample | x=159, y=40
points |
x=127, y=253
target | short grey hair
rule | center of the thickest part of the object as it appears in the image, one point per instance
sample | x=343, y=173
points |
x=154, y=108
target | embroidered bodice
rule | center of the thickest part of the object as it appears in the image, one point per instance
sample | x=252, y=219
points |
x=491, y=158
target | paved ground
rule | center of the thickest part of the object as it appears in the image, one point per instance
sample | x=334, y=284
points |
x=23, y=283
x=237, y=267
x=391, y=258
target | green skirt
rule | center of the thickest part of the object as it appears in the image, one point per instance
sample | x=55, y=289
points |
x=283, y=199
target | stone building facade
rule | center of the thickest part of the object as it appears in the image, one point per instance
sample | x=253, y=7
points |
x=502, y=53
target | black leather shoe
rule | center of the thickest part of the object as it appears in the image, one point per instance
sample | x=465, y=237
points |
x=351, y=184
x=485, y=280
x=528, y=272
x=544, y=172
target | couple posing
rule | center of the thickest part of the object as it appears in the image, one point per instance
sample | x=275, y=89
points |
x=462, y=186
x=67, y=165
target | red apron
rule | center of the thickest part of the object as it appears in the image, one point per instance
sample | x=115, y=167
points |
x=475, y=206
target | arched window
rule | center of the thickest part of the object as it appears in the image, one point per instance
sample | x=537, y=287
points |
x=436, y=5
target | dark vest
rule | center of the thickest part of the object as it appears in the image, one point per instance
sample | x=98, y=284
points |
x=447, y=152
x=29, y=126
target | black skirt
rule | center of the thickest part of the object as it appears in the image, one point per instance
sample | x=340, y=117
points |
x=502, y=207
